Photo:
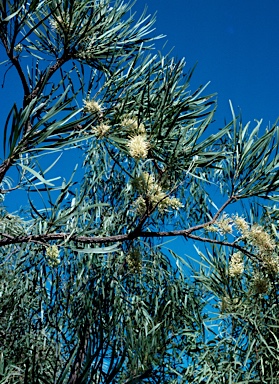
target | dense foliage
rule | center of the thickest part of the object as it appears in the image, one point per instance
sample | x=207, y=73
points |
x=106, y=157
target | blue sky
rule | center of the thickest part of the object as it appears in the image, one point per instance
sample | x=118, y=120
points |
x=236, y=45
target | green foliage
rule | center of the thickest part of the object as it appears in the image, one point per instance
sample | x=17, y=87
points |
x=90, y=292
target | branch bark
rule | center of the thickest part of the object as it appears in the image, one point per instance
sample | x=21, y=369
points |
x=8, y=240
x=44, y=239
x=119, y=238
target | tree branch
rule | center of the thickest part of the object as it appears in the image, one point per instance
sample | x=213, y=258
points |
x=20, y=72
x=4, y=168
x=186, y=233
x=45, y=238
x=45, y=77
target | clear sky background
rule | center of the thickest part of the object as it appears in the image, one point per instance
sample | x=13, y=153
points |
x=236, y=46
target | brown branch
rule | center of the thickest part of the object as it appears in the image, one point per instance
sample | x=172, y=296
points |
x=7, y=236
x=4, y=168
x=45, y=77
x=3, y=191
x=43, y=239
x=62, y=236
x=187, y=233
x=15, y=62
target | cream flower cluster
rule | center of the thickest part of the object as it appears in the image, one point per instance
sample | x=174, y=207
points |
x=138, y=147
x=236, y=266
x=270, y=262
x=59, y=22
x=52, y=253
x=137, y=144
x=18, y=48
x=266, y=247
x=154, y=195
x=241, y=225
x=130, y=122
x=260, y=239
x=225, y=224
x=229, y=303
x=92, y=106
x=256, y=236
x=87, y=51
x=101, y=130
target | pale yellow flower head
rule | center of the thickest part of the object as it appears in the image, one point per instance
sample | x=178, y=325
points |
x=157, y=198
x=241, y=225
x=146, y=183
x=212, y=228
x=229, y=303
x=173, y=203
x=271, y=263
x=236, y=266
x=59, y=22
x=52, y=253
x=138, y=147
x=140, y=205
x=141, y=129
x=131, y=123
x=54, y=25
x=92, y=106
x=18, y=48
x=225, y=224
x=87, y=48
x=261, y=239
x=101, y=130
